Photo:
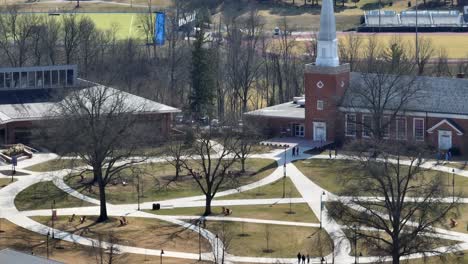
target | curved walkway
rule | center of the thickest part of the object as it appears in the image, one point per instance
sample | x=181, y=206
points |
x=311, y=194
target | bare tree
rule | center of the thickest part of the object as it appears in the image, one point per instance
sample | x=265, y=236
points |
x=425, y=53
x=50, y=38
x=247, y=139
x=243, y=62
x=441, y=67
x=176, y=150
x=385, y=89
x=209, y=164
x=99, y=125
x=16, y=34
x=70, y=36
x=399, y=200
x=350, y=49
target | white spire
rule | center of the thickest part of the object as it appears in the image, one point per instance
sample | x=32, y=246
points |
x=327, y=48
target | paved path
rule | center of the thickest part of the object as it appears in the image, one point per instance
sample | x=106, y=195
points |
x=311, y=194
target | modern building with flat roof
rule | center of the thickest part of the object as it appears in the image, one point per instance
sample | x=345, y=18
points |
x=28, y=94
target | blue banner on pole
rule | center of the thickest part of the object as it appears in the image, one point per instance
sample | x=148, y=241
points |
x=160, y=29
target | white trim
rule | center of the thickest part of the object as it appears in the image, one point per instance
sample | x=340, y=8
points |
x=388, y=126
x=445, y=121
x=363, y=126
x=414, y=128
x=321, y=125
x=406, y=128
x=406, y=113
x=320, y=105
x=346, y=125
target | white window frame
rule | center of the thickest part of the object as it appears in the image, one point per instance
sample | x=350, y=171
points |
x=363, y=126
x=346, y=125
x=414, y=129
x=386, y=135
x=320, y=105
x=406, y=129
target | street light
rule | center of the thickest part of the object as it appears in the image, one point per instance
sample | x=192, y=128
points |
x=53, y=217
x=162, y=253
x=47, y=244
x=453, y=185
x=199, y=240
x=284, y=171
x=321, y=207
x=355, y=244
x=138, y=191
x=216, y=248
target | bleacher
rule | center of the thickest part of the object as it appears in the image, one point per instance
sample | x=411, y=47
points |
x=446, y=18
x=408, y=18
x=390, y=20
x=385, y=18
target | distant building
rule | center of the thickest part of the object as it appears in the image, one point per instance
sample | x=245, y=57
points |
x=27, y=95
x=407, y=21
x=10, y=256
x=328, y=113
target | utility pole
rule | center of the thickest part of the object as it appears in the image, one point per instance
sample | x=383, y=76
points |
x=417, y=44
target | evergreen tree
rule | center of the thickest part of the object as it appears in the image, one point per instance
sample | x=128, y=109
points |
x=203, y=84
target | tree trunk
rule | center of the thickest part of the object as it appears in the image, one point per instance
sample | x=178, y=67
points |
x=243, y=164
x=208, y=205
x=177, y=171
x=102, y=197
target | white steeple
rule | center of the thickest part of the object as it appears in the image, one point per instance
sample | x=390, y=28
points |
x=327, y=48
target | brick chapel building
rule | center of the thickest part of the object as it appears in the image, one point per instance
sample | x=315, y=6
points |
x=329, y=111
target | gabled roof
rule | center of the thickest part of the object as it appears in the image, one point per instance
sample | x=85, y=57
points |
x=29, y=105
x=8, y=256
x=434, y=95
x=286, y=110
x=448, y=122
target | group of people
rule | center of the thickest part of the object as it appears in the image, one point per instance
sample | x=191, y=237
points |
x=226, y=211
x=444, y=155
x=303, y=258
x=295, y=151
x=82, y=219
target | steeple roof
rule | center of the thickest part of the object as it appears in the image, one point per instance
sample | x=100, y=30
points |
x=327, y=22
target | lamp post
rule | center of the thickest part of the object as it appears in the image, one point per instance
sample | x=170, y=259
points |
x=47, y=244
x=160, y=256
x=199, y=240
x=53, y=217
x=138, y=191
x=321, y=207
x=216, y=249
x=284, y=171
x=355, y=244
x=453, y=185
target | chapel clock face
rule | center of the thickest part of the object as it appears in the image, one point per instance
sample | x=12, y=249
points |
x=320, y=84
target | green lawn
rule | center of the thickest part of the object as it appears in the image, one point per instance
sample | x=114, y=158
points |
x=273, y=190
x=247, y=239
x=4, y=182
x=126, y=24
x=368, y=248
x=139, y=232
x=157, y=182
x=41, y=196
x=281, y=212
x=56, y=164
x=333, y=175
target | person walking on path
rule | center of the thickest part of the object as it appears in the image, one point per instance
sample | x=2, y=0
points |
x=308, y=259
x=297, y=150
x=299, y=258
x=336, y=151
x=303, y=259
x=329, y=153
